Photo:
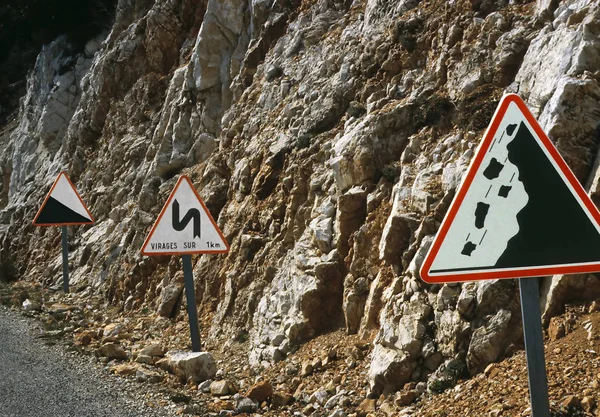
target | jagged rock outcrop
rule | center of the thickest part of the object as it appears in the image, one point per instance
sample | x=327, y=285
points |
x=327, y=137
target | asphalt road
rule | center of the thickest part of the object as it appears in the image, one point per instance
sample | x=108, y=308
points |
x=41, y=380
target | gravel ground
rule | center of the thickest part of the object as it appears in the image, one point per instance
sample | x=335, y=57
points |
x=41, y=380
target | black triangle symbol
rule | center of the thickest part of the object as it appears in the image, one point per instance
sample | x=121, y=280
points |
x=54, y=212
x=554, y=229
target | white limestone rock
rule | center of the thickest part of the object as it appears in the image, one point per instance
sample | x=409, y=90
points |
x=488, y=342
x=200, y=366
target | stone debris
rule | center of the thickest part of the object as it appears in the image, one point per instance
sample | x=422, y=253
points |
x=205, y=386
x=155, y=350
x=571, y=401
x=588, y=403
x=246, y=405
x=146, y=375
x=319, y=397
x=199, y=366
x=261, y=391
x=84, y=338
x=112, y=351
x=145, y=359
x=591, y=329
x=31, y=306
x=404, y=398
x=556, y=329
x=220, y=388
x=124, y=369
x=281, y=399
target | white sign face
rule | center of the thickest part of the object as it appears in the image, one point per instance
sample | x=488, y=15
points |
x=184, y=226
x=63, y=206
x=486, y=212
x=519, y=212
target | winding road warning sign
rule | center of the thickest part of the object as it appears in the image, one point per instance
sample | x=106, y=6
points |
x=63, y=206
x=184, y=226
x=520, y=211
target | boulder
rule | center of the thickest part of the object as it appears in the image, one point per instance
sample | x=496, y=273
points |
x=112, y=330
x=220, y=388
x=561, y=289
x=199, y=366
x=170, y=297
x=29, y=305
x=488, y=342
x=112, y=351
x=320, y=397
x=556, y=329
x=145, y=375
x=145, y=359
x=205, y=386
x=390, y=369
x=261, y=391
x=281, y=399
x=125, y=369
x=246, y=405
x=84, y=338
x=153, y=350
x=414, y=267
x=395, y=238
x=368, y=405
x=405, y=398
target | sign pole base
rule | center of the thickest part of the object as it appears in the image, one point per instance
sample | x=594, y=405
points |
x=534, y=347
x=188, y=278
x=65, y=257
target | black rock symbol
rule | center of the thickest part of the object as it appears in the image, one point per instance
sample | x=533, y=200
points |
x=504, y=190
x=493, y=169
x=480, y=213
x=510, y=129
x=468, y=248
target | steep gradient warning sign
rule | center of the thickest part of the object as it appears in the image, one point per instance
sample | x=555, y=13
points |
x=520, y=211
x=184, y=226
x=63, y=206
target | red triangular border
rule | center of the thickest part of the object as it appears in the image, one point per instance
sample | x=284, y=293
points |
x=164, y=209
x=48, y=196
x=542, y=270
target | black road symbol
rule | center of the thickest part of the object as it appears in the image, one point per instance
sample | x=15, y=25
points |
x=192, y=214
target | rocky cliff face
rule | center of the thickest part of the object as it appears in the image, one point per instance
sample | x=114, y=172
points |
x=327, y=137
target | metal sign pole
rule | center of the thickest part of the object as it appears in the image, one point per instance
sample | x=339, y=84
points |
x=188, y=278
x=65, y=257
x=534, y=347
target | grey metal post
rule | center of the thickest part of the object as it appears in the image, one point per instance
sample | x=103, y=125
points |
x=65, y=256
x=188, y=278
x=534, y=347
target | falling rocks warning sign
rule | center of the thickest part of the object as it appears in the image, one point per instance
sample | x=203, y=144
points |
x=519, y=212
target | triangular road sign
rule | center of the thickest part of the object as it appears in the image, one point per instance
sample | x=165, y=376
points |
x=520, y=211
x=184, y=225
x=63, y=206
